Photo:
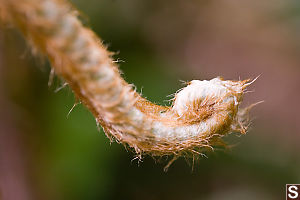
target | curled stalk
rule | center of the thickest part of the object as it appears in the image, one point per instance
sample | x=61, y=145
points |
x=202, y=112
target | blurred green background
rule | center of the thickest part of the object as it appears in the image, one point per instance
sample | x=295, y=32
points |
x=45, y=154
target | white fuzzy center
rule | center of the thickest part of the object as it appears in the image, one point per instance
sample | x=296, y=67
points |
x=199, y=90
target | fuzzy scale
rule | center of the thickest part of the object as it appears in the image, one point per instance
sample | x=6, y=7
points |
x=202, y=113
x=199, y=90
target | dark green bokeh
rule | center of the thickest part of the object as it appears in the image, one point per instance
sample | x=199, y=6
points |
x=68, y=158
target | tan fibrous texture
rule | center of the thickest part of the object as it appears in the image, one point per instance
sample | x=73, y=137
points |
x=202, y=112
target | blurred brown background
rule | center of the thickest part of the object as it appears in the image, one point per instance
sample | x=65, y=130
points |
x=46, y=155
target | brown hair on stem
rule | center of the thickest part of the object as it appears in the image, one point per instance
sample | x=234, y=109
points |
x=202, y=112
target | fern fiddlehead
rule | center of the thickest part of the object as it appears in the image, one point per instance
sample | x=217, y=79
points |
x=201, y=114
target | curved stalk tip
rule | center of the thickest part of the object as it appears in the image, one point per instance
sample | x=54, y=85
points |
x=202, y=112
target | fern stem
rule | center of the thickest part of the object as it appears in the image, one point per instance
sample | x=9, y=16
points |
x=202, y=113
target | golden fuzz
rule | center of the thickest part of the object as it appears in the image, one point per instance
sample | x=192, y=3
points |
x=202, y=112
